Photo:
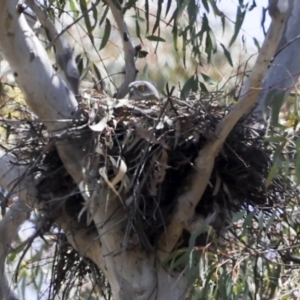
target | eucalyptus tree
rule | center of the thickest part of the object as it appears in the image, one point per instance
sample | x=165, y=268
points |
x=133, y=270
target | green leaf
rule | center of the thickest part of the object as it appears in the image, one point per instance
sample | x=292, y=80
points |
x=147, y=15
x=181, y=8
x=203, y=87
x=238, y=216
x=256, y=43
x=129, y=4
x=103, y=15
x=184, y=43
x=216, y=10
x=207, y=79
x=79, y=62
x=267, y=102
x=138, y=29
x=95, y=16
x=190, y=85
x=83, y=7
x=179, y=261
x=227, y=54
x=205, y=4
x=271, y=220
x=240, y=15
x=192, y=10
x=158, y=16
x=272, y=174
x=274, y=280
x=202, y=229
x=74, y=8
x=142, y=54
x=210, y=45
x=277, y=102
x=173, y=257
x=155, y=38
x=223, y=23
x=8, y=127
x=261, y=220
x=205, y=25
x=175, y=38
x=168, y=7
x=106, y=35
x=248, y=219
x=97, y=72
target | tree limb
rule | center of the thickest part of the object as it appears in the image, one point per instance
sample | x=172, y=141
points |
x=284, y=71
x=46, y=93
x=42, y=86
x=129, y=50
x=86, y=244
x=63, y=51
x=205, y=161
x=14, y=217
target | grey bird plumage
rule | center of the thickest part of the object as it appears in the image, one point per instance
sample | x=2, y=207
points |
x=143, y=90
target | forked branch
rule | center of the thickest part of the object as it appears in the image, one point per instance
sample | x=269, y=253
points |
x=205, y=161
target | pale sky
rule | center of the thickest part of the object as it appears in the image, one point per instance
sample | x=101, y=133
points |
x=252, y=22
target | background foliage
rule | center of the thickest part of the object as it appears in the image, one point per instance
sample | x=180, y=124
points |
x=257, y=256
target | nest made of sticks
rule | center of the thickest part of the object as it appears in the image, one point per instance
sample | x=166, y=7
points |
x=146, y=154
x=147, y=150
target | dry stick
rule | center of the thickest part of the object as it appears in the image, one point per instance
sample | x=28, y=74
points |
x=129, y=50
x=205, y=161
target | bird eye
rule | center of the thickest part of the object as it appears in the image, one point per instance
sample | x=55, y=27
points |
x=142, y=88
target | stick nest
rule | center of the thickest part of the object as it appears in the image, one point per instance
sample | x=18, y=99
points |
x=145, y=154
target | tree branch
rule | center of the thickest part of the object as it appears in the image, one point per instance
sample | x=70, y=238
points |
x=129, y=50
x=45, y=92
x=205, y=161
x=15, y=216
x=63, y=51
x=9, y=225
x=284, y=71
x=86, y=244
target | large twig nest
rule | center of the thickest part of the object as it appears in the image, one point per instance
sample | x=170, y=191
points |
x=145, y=153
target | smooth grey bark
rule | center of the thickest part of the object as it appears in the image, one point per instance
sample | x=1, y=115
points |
x=204, y=163
x=132, y=274
x=14, y=217
x=284, y=70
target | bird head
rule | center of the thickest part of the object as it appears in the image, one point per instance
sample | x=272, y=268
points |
x=143, y=90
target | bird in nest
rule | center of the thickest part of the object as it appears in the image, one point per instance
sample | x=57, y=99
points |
x=143, y=90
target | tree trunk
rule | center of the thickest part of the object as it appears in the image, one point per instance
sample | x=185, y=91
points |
x=132, y=272
x=284, y=70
